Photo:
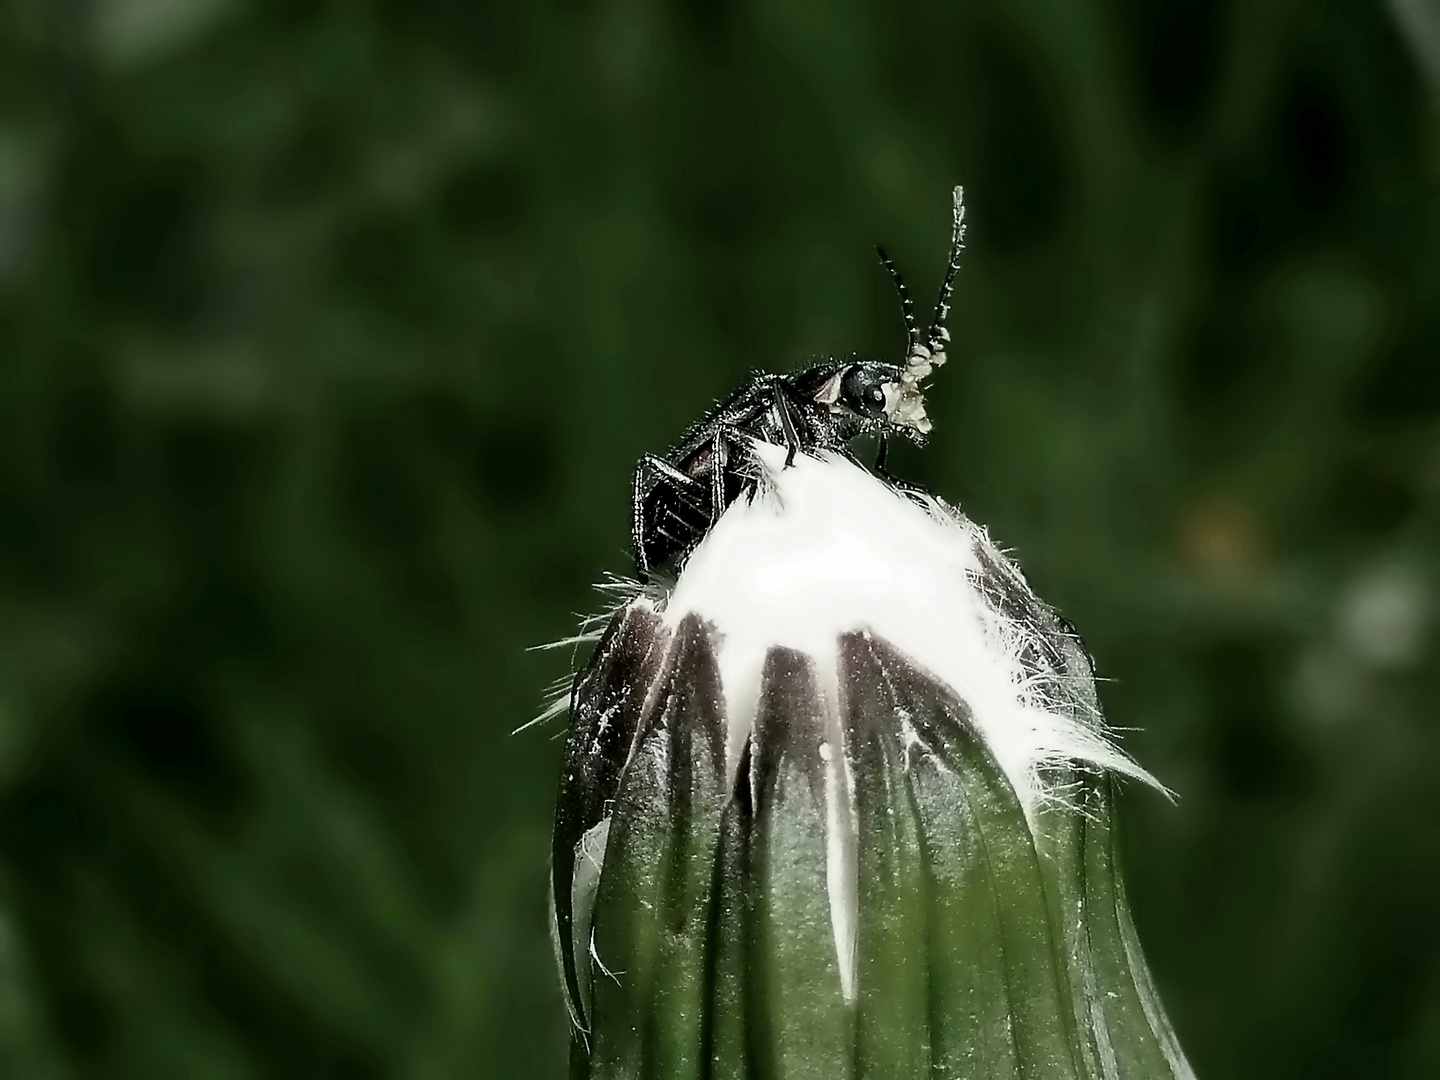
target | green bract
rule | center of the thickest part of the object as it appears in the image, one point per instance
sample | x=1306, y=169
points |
x=892, y=912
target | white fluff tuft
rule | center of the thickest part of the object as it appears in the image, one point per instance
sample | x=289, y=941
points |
x=826, y=548
x=592, y=629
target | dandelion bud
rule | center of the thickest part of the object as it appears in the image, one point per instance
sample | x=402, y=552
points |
x=839, y=803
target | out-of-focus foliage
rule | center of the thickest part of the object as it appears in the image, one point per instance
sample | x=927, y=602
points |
x=330, y=330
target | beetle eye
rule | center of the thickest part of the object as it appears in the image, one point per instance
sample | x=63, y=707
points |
x=863, y=390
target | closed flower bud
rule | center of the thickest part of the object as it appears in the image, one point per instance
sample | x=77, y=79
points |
x=840, y=803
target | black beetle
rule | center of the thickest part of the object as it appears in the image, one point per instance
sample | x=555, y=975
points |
x=680, y=495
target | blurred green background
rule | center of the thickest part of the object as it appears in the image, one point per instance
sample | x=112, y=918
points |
x=330, y=331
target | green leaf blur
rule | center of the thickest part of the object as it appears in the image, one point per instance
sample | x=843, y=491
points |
x=331, y=330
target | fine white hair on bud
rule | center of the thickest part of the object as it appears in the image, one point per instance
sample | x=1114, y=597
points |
x=826, y=549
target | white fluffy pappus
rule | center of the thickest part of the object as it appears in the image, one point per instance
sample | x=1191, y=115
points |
x=827, y=548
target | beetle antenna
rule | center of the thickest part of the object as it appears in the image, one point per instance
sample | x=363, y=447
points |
x=907, y=306
x=938, y=334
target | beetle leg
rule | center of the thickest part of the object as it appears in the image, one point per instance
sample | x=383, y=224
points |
x=880, y=454
x=662, y=469
x=904, y=487
x=651, y=473
x=637, y=517
x=719, y=451
x=781, y=410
